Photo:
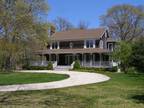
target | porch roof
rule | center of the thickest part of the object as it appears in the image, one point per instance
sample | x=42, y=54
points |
x=73, y=51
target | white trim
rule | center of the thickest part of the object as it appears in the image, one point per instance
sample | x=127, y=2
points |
x=94, y=46
x=85, y=44
x=58, y=46
x=51, y=46
x=101, y=44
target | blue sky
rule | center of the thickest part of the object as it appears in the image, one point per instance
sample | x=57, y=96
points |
x=85, y=10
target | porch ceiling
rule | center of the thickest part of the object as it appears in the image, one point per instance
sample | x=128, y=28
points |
x=73, y=51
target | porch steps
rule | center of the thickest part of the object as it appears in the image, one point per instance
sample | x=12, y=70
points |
x=62, y=68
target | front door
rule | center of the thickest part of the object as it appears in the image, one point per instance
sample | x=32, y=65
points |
x=69, y=59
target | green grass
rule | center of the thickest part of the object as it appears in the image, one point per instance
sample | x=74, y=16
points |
x=122, y=91
x=9, y=78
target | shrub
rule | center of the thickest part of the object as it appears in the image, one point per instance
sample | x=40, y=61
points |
x=113, y=69
x=50, y=66
x=99, y=69
x=77, y=65
x=91, y=69
x=26, y=66
x=131, y=70
x=37, y=68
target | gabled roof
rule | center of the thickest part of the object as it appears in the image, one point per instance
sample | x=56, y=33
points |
x=78, y=34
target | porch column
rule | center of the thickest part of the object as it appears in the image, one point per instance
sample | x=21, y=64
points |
x=100, y=59
x=74, y=57
x=51, y=45
x=84, y=43
x=57, y=57
x=82, y=59
x=109, y=61
x=42, y=59
x=94, y=44
x=58, y=43
x=91, y=59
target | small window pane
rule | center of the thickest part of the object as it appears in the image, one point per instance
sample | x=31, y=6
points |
x=90, y=43
x=87, y=44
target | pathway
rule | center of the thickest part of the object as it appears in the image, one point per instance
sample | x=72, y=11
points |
x=75, y=79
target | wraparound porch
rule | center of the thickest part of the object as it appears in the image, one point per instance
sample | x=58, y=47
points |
x=86, y=59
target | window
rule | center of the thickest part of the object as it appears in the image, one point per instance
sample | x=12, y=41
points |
x=54, y=45
x=89, y=43
x=78, y=44
x=64, y=45
x=110, y=47
x=97, y=43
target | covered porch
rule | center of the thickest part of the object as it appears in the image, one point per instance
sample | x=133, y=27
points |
x=87, y=57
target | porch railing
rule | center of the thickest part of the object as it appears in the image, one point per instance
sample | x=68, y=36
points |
x=42, y=63
x=97, y=64
x=84, y=63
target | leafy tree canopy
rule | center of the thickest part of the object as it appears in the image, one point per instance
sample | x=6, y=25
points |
x=137, y=57
x=122, y=54
x=125, y=22
x=21, y=29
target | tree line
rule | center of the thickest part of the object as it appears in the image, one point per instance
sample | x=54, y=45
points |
x=63, y=24
x=126, y=24
x=21, y=31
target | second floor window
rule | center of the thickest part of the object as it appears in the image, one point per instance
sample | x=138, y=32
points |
x=110, y=47
x=54, y=45
x=97, y=43
x=89, y=43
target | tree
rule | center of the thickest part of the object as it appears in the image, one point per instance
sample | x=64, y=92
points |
x=21, y=29
x=125, y=22
x=62, y=24
x=137, y=57
x=83, y=25
x=122, y=54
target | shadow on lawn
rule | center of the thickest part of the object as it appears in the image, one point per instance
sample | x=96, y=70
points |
x=138, y=98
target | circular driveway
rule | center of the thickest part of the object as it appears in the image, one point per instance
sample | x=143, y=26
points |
x=75, y=79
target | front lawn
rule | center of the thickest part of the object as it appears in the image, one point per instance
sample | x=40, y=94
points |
x=9, y=78
x=122, y=91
